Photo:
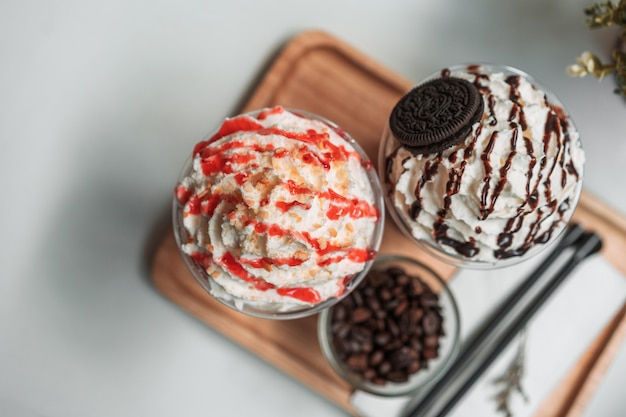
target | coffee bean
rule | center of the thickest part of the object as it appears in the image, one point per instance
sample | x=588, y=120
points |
x=376, y=358
x=398, y=376
x=431, y=341
x=400, y=308
x=419, y=331
x=339, y=313
x=379, y=381
x=402, y=280
x=342, y=347
x=357, y=362
x=388, y=328
x=369, y=291
x=380, y=324
x=414, y=367
x=429, y=353
x=406, y=326
x=377, y=278
x=384, y=368
x=399, y=293
x=361, y=314
x=361, y=334
x=382, y=338
x=373, y=303
x=380, y=314
x=393, y=327
x=385, y=294
x=347, y=302
x=340, y=329
x=417, y=286
x=416, y=315
x=392, y=304
x=428, y=299
x=416, y=344
x=431, y=323
x=402, y=357
x=393, y=345
x=357, y=297
x=369, y=374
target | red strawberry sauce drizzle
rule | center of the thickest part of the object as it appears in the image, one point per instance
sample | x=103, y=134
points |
x=216, y=160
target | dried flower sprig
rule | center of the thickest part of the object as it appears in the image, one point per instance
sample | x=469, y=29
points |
x=589, y=64
x=606, y=14
x=598, y=16
x=511, y=381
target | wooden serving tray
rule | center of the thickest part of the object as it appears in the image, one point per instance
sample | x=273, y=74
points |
x=321, y=74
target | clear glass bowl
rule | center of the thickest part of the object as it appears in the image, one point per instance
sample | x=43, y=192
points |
x=279, y=310
x=389, y=144
x=449, y=343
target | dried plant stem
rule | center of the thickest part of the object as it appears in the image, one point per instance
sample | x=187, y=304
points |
x=511, y=380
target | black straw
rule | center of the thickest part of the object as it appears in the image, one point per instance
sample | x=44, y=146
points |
x=573, y=236
x=589, y=244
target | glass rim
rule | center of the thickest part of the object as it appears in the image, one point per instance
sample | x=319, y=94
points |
x=459, y=260
x=271, y=310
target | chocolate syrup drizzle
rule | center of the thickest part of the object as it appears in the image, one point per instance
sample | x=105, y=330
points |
x=492, y=185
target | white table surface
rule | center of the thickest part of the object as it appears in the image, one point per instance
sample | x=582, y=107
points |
x=100, y=103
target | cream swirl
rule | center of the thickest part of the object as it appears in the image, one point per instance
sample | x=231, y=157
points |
x=511, y=184
x=278, y=208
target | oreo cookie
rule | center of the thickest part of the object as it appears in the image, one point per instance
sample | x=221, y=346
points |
x=436, y=114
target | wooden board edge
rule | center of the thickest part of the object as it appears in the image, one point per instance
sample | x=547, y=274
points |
x=303, y=44
x=600, y=209
x=588, y=387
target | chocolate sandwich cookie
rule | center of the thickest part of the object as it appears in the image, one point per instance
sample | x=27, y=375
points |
x=436, y=114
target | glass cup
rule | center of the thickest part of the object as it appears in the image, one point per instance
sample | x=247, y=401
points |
x=278, y=307
x=448, y=343
x=453, y=233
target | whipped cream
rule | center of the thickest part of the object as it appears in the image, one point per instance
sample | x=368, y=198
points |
x=278, y=208
x=511, y=184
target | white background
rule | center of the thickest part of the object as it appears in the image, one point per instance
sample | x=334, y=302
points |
x=100, y=104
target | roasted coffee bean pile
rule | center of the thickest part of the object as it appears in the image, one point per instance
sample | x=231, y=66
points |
x=389, y=327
